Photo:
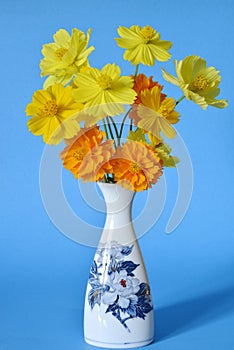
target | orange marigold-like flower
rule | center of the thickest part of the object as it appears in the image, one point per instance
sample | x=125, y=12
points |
x=142, y=83
x=86, y=156
x=136, y=166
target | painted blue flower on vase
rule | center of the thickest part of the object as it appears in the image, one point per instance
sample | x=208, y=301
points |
x=114, y=284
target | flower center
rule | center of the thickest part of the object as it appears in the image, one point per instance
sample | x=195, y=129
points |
x=163, y=111
x=50, y=108
x=147, y=32
x=59, y=53
x=135, y=168
x=104, y=81
x=200, y=83
x=123, y=283
x=78, y=154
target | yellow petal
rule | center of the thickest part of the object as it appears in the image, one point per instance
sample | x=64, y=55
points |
x=170, y=78
x=166, y=128
x=62, y=38
x=159, y=52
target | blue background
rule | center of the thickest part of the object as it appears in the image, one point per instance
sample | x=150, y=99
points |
x=42, y=273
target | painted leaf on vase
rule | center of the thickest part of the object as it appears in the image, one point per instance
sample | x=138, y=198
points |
x=94, y=297
x=95, y=294
x=93, y=270
x=140, y=307
x=128, y=266
x=144, y=289
x=112, y=308
x=126, y=250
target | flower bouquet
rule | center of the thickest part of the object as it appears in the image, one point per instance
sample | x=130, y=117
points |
x=120, y=148
x=79, y=104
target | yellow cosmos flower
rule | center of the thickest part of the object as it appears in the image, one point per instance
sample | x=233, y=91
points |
x=136, y=166
x=65, y=56
x=103, y=92
x=157, y=115
x=53, y=113
x=198, y=82
x=143, y=45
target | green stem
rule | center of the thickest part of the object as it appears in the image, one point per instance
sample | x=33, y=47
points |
x=106, y=177
x=105, y=128
x=122, y=125
x=136, y=71
x=114, y=125
x=111, y=133
x=180, y=99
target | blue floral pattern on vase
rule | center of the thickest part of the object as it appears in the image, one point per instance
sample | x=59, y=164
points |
x=114, y=284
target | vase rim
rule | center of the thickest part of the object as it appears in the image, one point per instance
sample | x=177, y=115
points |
x=106, y=184
x=115, y=194
x=114, y=185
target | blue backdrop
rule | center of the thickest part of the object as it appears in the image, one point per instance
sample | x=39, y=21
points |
x=42, y=273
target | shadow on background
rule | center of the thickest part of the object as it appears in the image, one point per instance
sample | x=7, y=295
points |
x=192, y=313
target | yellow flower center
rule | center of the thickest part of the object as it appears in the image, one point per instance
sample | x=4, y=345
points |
x=148, y=32
x=135, y=168
x=200, y=83
x=59, y=53
x=104, y=81
x=50, y=108
x=163, y=111
x=78, y=154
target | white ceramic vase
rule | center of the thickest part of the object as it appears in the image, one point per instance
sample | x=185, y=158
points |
x=118, y=305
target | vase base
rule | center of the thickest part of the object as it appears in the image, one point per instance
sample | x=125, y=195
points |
x=119, y=345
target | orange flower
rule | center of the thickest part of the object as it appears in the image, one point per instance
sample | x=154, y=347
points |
x=86, y=156
x=96, y=163
x=142, y=83
x=136, y=166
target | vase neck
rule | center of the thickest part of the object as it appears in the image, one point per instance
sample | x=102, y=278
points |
x=117, y=198
x=118, y=225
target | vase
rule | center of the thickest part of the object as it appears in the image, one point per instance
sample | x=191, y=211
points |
x=118, y=305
